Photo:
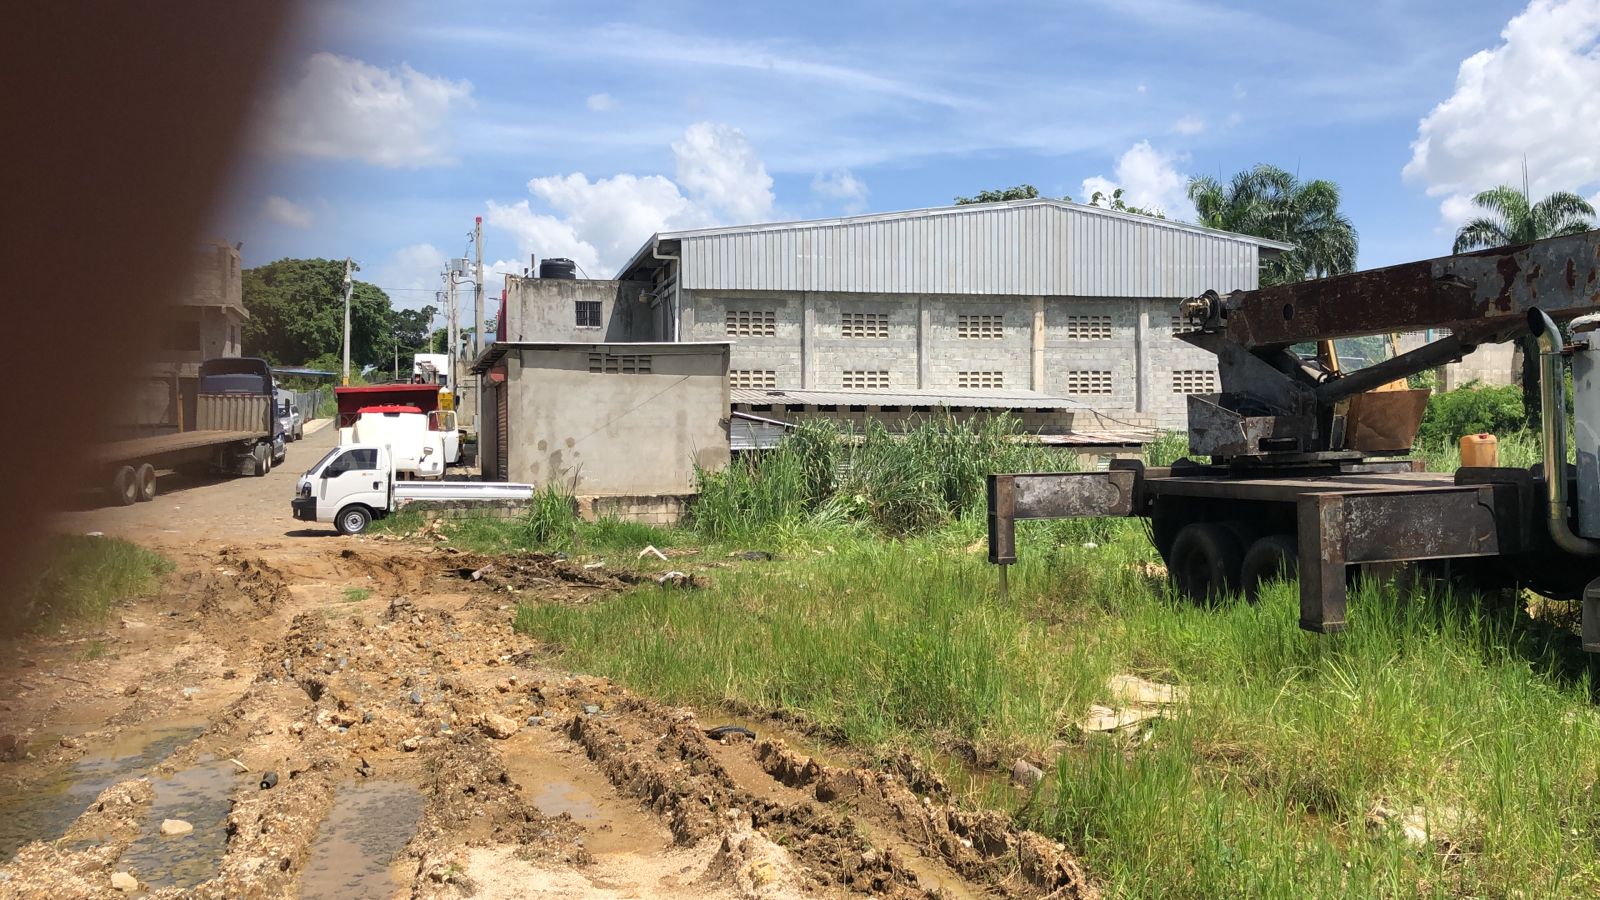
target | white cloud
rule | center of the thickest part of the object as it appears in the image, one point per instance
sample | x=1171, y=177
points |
x=842, y=186
x=286, y=212
x=600, y=102
x=1189, y=124
x=342, y=108
x=1148, y=178
x=410, y=274
x=1533, y=99
x=600, y=223
x=720, y=170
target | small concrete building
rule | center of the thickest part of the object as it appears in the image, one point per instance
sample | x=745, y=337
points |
x=1047, y=296
x=622, y=426
x=204, y=322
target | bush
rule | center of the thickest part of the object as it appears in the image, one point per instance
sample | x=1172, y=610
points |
x=1471, y=409
x=81, y=578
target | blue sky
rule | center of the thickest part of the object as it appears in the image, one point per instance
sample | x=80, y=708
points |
x=578, y=130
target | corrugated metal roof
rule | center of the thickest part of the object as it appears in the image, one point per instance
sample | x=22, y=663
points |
x=1025, y=247
x=1007, y=399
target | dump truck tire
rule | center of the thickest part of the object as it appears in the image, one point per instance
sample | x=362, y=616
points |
x=145, y=478
x=1273, y=557
x=125, y=486
x=1206, y=561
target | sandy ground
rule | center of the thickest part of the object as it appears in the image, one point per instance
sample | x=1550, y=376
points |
x=412, y=745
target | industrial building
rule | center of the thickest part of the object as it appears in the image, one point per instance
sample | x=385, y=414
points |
x=1055, y=298
x=204, y=321
x=621, y=426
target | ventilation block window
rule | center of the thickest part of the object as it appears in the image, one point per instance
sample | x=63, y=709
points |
x=588, y=313
x=608, y=364
x=865, y=378
x=752, y=323
x=1194, y=381
x=864, y=325
x=1088, y=381
x=1088, y=328
x=983, y=378
x=752, y=378
x=1180, y=325
x=982, y=328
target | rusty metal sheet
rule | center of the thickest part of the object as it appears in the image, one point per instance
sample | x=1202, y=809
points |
x=1386, y=526
x=1384, y=421
x=1478, y=291
x=1073, y=495
x=1215, y=430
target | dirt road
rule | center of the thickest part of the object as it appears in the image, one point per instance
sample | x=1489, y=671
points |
x=411, y=744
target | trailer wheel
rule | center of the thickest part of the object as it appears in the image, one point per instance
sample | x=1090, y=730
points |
x=353, y=519
x=145, y=478
x=1205, y=562
x=1272, y=557
x=125, y=486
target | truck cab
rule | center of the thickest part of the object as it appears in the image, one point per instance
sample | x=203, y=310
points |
x=349, y=487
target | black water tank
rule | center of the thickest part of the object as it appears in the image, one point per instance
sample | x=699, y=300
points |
x=558, y=268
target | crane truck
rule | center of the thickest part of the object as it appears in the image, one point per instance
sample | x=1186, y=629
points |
x=1297, y=468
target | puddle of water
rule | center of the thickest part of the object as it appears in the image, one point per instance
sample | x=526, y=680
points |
x=369, y=824
x=556, y=797
x=797, y=741
x=199, y=796
x=931, y=874
x=45, y=810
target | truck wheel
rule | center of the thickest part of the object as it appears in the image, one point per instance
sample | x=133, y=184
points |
x=353, y=519
x=1205, y=562
x=263, y=459
x=145, y=478
x=125, y=486
x=1270, y=558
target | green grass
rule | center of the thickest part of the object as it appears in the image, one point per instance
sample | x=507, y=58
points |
x=356, y=594
x=81, y=578
x=1260, y=787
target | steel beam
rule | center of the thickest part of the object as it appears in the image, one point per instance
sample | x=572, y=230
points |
x=1053, y=495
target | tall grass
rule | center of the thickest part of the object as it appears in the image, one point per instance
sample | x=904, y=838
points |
x=897, y=484
x=82, y=578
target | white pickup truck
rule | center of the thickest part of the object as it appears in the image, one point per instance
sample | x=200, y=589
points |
x=355, y=483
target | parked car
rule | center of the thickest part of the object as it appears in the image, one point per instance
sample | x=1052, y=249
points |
x=289, y=418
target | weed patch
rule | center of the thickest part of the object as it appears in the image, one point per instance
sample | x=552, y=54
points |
x=81, y=578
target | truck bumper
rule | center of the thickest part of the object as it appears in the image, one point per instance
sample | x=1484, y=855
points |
x=305, y=508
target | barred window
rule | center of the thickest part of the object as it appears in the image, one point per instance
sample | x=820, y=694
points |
x=1194, y=381
x=588, y=313
x=864, y=325
x=865, y=378
x=980, y=327
x=1088, y=328
x=752, y=322
x=1180, y=325
x=619, y=365
x=753, y=378
x=1088, y=381
x=982, y=378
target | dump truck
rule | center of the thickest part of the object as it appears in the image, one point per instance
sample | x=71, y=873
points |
x=429, y=399
x=1299, y=468
x=236, y=431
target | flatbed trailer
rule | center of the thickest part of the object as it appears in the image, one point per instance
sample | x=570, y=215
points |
x=1222, y=531
x=1297, y=467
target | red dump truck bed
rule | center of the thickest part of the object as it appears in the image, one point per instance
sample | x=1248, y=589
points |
x=425, y=397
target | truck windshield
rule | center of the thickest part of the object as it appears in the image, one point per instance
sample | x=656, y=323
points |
x=324, y=460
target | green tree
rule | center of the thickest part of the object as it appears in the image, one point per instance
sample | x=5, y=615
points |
x=297, y=314
x=1019, y=192
x=1514, y=219
x=1268, y=202
x=1114, y=201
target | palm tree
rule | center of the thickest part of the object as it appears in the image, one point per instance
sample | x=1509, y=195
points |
x=1268, y=202
x=1513, y=219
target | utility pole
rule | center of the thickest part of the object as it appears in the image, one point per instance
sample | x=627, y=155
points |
x=349, y=288
x=453, y=329
x=477, y=298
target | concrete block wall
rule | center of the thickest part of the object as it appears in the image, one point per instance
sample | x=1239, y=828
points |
x=655, y=509
x=456, y=509
x=545, y=309
x=924, y=347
